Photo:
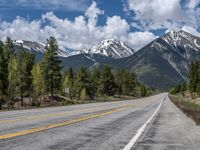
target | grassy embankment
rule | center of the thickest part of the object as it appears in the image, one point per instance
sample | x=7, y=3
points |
x=190, y=106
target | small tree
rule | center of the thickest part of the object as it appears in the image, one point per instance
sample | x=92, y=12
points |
x=83, y=95
x=69, y=82
x=38, y=82
x=12, y=78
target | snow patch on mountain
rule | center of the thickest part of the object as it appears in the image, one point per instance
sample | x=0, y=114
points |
x=38, y=47
x=110, y=48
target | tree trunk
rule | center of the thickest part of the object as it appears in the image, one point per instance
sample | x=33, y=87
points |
x=21, y=97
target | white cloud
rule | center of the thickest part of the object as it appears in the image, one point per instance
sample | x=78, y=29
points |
x=191, y=30
x=92, y=14
x=139, y=39
x=83, y=32
x=164, y=14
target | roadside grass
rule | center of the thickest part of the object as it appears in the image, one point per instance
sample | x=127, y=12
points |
x=188, y=106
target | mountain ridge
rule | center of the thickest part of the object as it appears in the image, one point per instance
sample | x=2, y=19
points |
x=164, y=60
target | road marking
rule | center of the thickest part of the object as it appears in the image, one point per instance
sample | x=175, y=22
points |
x=142, y=128
x=43, y=128
x=40, y=116
x=31, y=118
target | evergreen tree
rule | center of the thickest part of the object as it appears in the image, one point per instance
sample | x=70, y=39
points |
x=51, y=66
x=107, y=85
x=119, y=80
x=2, y=74
x=25, y=63
x=8, y=52
x=82, y=82
x=94, y=77
x=143, y=90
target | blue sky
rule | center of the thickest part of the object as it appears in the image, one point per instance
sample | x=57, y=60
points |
x=80, y=24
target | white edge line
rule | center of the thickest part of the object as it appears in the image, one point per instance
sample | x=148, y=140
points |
x=141, y=129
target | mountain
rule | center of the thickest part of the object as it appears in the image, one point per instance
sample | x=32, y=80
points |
x=37, y=48
x=111, y=48
x=164, y=62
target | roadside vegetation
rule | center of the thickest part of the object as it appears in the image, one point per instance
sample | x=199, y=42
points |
x=26, y=83
x=187, y=96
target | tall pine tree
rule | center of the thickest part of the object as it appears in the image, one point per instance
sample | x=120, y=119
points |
x=25, y=62
x=8, y=52
x=51, y=66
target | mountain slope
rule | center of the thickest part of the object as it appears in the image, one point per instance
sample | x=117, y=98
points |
x=38, y=48
x=111, y=48
x=164, y=62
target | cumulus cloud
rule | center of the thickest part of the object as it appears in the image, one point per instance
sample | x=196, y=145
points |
x=164, y=14
x=81, y=33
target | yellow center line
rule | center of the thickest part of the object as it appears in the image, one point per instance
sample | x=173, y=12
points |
x=20, y=119
x=43, y=128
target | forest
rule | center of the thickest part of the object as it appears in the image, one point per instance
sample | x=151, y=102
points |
x=22, y=78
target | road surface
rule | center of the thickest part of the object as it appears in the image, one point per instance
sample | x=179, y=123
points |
x=143, y=124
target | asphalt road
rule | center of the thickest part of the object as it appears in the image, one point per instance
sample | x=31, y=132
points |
x=147, y=123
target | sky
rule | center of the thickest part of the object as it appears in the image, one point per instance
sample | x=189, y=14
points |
x=81, y=24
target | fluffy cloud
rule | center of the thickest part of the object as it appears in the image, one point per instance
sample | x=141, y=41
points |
x=83, y=32
x=164, y=14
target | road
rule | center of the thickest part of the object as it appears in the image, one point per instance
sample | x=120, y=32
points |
x=143, y=124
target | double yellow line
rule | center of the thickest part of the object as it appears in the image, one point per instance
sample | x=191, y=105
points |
x=43, y=128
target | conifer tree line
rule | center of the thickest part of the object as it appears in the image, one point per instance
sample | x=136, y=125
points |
x=194, y=77
x=193, y=84
x=21, y=76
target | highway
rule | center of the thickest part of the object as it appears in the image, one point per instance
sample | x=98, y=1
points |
x=151, y=123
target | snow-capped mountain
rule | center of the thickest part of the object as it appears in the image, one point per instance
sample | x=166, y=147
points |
x=38, y=47
x=182, y=42
x=111, y=48
x=164, y=62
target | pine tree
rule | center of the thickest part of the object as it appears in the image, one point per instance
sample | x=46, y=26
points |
x=8, y=52
x=94, y=77
x=143, y=90
x=51, y=66
x=2, y=74
x=82, y=81
x=119, y=80
x=25, y=63
x=107, y=85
